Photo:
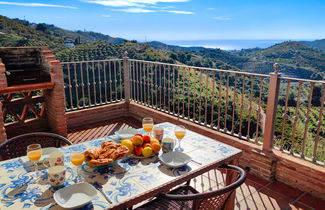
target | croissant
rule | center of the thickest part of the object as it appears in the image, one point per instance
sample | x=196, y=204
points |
x=99, y=162
x=92, y=154
x=108, y=152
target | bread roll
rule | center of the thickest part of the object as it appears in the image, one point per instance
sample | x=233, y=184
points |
x=92, y=154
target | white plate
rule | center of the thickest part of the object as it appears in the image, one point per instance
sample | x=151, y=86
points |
x=75, y=196
x=175, y=159
x=126, y=133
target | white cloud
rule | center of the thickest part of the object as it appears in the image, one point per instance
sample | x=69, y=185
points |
x=114, y=3
x=130, y=3
x=211, y=8
x=222, y=18
x=179, y=12
x=37, y=5
x=107, y=16
x=134, y=10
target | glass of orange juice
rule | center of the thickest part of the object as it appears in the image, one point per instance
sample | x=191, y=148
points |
x=179, y=132
x=77, y=158
x=34, y=153
x=147, y=124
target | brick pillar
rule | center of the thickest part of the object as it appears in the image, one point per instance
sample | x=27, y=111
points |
x=3, y=78
x=3, y=84
x=3, y=135
x=55, y=101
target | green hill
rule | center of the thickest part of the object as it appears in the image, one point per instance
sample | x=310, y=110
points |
x=102, y=50
x=317, y=44
x=15, y=32
x=296, y=60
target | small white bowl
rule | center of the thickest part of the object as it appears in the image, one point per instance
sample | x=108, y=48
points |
x=175, y=159
x=126, y=133
x=75, y=196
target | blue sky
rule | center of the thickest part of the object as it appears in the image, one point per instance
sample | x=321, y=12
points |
x=179, y=19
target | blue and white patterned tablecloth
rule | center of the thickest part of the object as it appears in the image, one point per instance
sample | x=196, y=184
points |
x=121, y=181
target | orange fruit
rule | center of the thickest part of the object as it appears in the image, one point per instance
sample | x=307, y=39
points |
x=156, y=147
x=128, y=143
x=146, y=139
x=154, y=141
x=138, y=150
x=146, y=145
x=137, y=140
x=147, y=151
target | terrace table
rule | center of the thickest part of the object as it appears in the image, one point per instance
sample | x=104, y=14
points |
x=127, y=182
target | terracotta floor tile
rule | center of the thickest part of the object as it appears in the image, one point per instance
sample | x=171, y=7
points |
x=270, y=199
x=216, y=175
x=312, y=201
x=248, y=188
x=257, y=179
x=248, y=204
x=284, y=189
x=300, y=206
x=203, y=184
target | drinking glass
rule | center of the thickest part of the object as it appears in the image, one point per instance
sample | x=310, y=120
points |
x=34, y=153
x=179, y=132
x=77, y=157
x=147, y=124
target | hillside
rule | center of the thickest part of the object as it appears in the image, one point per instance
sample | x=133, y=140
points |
x=15, y=32
x=317, y=44
x=102, y=50
x=207, y=53
x=296, y=60
x=167, y=47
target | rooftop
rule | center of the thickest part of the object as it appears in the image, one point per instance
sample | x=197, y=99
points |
x=278, y=122
x=255, y=193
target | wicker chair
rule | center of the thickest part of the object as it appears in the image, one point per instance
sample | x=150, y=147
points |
x=16, y=146
x=188, y=198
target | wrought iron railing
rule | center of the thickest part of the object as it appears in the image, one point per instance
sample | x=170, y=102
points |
x=227, y=101
x=300, y=118
x=93, y=83
x=269, y=110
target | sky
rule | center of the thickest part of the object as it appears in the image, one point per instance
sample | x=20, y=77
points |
x=179, y=19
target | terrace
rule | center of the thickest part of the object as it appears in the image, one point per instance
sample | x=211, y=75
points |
x=93, y=99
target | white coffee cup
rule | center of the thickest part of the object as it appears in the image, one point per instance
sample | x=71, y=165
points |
x=55, y=159
x=56, y=175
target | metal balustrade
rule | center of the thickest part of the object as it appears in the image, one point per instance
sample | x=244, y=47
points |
x=227, y=101
x=301, y=116
x=93, y=83
x=241, y=104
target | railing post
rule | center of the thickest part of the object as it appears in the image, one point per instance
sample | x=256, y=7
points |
x=271, y=109
x=126, y=77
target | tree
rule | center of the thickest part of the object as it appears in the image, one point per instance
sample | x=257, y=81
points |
x=315, y=101
x=41, y=27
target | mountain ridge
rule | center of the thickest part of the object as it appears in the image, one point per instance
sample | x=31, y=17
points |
x=295, y=58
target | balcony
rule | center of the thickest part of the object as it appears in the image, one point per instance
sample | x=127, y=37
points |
x=277, y=121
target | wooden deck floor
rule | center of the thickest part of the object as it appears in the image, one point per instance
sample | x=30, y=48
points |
x=102, y=129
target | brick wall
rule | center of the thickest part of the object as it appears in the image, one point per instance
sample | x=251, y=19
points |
x=96, y=114
x=54, y=119
x=55, y=101
x=273, y=165
x=29, y=126
x=3, y=79
x=3, y=135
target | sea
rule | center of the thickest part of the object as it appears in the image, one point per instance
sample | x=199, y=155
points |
x=225, y=44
